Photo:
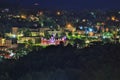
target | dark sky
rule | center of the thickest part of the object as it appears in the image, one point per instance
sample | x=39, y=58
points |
x=63, y=4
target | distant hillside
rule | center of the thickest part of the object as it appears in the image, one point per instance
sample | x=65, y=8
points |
x=66, y=63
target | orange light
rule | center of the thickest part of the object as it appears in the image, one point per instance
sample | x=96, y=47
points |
x=113, y=18
x=69, y=26
x=91, y=33
x=107, y=29
x=23, y=16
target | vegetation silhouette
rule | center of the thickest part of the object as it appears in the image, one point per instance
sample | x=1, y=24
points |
x=98, y=62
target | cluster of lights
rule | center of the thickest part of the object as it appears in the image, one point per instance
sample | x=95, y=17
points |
x=52, y=40
x=87, y=29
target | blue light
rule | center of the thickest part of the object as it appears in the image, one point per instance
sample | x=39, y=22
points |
x=90, y=29
x=81, y=27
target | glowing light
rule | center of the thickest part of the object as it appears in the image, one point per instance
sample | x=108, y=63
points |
x=104, y=37
x=107, y=29
x=92, y=13
x=52, y=40
x=73, y=35
x=119, y=12
x=36, y=4
x=113, y=18
x=107, y=35
x=11, y=54
x=58, y=13
x=84, y=20
x=90, y=29
x=41, y=13
x=69, y=25
x=64, y=38
x=3, y=41
x=87, y=41
x=91, y=33
x=81, y=27
x=23, y=16
x=14, y=36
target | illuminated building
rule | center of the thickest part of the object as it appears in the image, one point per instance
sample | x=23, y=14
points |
x=2, y=41
x=54, y=32
x=26, y=39
x=8, y=43
x=52, y=41
x=34, y=32
x=14, y=30
x=91, y=33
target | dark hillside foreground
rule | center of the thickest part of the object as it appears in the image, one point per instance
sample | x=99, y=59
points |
x=65, y=63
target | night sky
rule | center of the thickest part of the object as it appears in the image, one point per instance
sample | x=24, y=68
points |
x=63, y=4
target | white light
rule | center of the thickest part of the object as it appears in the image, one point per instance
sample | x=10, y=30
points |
x=104, y=37
x=11, y=54
x=81, y=27
x=90, y=29
x=119, y=12
x=14, y=36
x=87, y=41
